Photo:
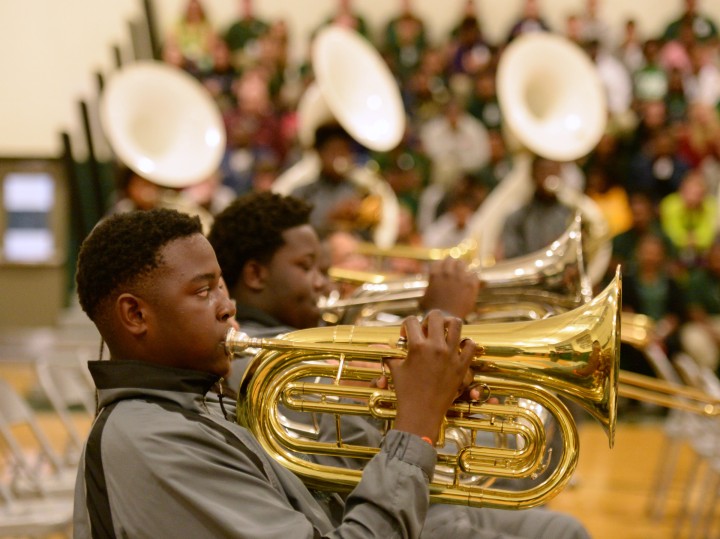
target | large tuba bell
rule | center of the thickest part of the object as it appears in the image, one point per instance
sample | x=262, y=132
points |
x=164, y=126
x=574, y=354
x=553, y=105
x=355, y=88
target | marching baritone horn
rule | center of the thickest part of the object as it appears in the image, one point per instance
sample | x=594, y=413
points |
x=573, y=355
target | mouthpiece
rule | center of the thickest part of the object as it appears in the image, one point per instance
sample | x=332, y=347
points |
x=238, y=342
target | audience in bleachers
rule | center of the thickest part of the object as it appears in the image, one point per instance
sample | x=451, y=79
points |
x=663, y=94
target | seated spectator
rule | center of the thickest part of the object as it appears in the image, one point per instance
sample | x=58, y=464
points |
x=483, y=101
x=699, y=136
x=273, y=58
x=645, y=221
x=498, y=166
x=615, y=79
x=689, y=218
x=405, y=41
x=451, y=227
x=630, y=50
x=610, y=154
x=573, y=28
x=254, y=127
x=345, y=16
x=428, y=90
x=407, y=169
x=650, y=82
x=593, y=26
x=242, y=35
x=652, y=118
x=542, y=220
x=220, y=80
x=700, y=337
x=611, y=198
x=675, y=53
x=702, y=81
x=530, y=20
x=703, y=27
x=456, y=143
x=651, y=290
x=193, y=38
x=657, y=169
x=676, y=101
x=470, y=52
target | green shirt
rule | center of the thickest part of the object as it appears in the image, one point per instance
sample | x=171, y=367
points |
x=703, y=290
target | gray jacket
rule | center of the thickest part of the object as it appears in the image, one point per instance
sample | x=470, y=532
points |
x=159, y=462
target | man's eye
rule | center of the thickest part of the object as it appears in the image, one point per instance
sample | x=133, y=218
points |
x=203, y=293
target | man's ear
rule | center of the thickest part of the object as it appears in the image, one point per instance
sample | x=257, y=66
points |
x=254, y=275
x=132, y=313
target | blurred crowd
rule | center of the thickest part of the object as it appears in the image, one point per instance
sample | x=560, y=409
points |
x=655, y=174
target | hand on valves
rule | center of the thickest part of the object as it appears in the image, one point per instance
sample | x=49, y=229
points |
x=435, y=372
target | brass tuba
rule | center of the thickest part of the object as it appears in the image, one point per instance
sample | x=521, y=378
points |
x=553, y=104
x=354, y=87
x=574, y=354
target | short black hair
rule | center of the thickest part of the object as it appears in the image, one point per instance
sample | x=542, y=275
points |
x=331, y=131
x=124, y=247
x=251, y=228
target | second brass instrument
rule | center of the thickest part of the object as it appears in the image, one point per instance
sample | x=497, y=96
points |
x=542, y=283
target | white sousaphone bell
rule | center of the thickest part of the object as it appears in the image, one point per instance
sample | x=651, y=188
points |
x=163, y=125
x=355, y=88
x=553, y=104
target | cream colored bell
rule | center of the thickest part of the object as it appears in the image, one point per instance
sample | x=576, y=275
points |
x=162, y=124
x=551, y=96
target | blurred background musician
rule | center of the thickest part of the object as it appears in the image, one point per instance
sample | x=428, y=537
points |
x=335, y=199
x=543, y=219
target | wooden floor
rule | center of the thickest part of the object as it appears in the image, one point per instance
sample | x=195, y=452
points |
x=610, y=491
x=614, y=487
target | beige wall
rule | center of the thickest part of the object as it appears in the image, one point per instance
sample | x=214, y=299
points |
x=50, y=49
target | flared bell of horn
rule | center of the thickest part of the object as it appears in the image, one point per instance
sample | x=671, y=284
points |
x=551, y=96
x=358, y=88
x=162, y=124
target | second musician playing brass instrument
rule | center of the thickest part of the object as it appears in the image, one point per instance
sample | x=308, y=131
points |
x=285, y=297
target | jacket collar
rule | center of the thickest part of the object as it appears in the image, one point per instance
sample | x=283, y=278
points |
x=126, y=379
x=248, y=313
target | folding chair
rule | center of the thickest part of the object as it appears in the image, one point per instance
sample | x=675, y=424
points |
x=35, y=517
x=705, y=443
x=64, y=380
x=38, y=469
x=680, y=427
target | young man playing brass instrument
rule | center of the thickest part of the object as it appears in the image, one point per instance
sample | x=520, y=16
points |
x=269, y=255
x=160, y=462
